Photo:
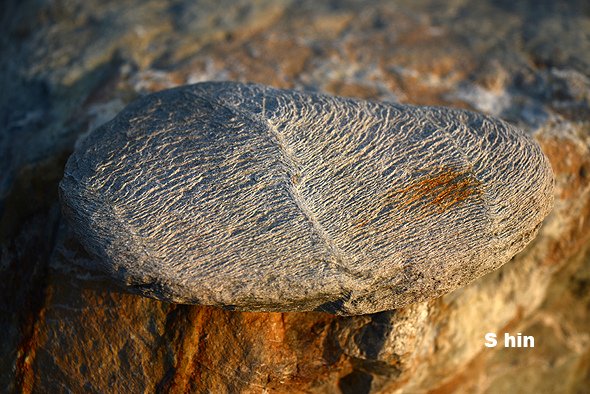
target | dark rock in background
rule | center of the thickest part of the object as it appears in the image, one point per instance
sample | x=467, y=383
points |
x=68, y=66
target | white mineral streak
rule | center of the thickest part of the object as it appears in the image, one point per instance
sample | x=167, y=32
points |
x=251, y=197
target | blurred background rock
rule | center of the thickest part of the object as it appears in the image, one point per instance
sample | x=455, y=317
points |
x=67, y=66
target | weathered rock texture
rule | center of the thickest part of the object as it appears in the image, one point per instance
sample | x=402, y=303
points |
x=67, y=67
x=254, y=198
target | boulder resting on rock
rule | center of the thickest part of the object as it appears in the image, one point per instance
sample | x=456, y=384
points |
x=260, y=199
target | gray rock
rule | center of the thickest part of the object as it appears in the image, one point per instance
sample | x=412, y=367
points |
x=255, y=198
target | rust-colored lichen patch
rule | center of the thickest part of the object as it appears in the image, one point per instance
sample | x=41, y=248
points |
x=438, y=191
x=433, y=193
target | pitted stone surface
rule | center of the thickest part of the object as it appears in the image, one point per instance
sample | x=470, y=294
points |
x=250, y=197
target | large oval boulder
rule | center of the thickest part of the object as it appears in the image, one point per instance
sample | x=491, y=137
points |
x=254, y=198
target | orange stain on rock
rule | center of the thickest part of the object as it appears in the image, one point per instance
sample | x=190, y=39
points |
x=441, y=190
x=430, y=194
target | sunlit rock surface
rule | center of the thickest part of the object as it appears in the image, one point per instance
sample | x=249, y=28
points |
x=69, y=67
x=254, y=198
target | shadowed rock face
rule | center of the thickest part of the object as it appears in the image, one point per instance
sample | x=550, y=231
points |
x=254, y=198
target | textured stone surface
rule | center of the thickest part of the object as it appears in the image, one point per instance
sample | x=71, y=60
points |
x=68, y=66
x=254, y=198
